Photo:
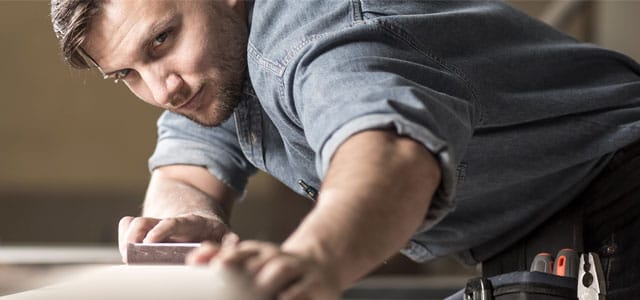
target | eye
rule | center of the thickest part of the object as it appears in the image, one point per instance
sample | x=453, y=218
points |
x=119, y=75
x=160, y=39
x=122, y=74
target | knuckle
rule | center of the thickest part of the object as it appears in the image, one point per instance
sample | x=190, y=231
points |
x=171, y=222
x=138, y=222
x=125, y=220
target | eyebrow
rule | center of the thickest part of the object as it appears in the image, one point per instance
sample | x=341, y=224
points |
x=153, y=31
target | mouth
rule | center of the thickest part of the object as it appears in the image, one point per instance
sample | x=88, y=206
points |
x=191, y=103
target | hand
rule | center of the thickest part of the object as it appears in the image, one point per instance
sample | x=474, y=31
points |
x=190, y=227
x=286, y=276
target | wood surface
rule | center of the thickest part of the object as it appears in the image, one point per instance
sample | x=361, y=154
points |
x=158, y=282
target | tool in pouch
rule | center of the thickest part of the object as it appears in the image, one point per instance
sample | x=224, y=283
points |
x=586, y=268
x=566, y=263
x=543, y=262
x=568, y=276
x=591, y=284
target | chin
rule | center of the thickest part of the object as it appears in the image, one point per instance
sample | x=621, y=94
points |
x=216, y=115
x=207, y=121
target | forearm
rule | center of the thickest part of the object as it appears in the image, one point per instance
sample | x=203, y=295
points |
x=375, y=194
x=180, y=190
x=183, y=204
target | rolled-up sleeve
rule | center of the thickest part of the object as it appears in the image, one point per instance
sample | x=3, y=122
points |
x=376, y=82
x=183, y=142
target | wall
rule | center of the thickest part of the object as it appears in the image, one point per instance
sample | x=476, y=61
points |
x=617, y=24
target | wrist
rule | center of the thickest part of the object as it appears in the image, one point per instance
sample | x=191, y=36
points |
x=215, y=215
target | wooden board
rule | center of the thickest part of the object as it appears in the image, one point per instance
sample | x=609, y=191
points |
x=148, y=282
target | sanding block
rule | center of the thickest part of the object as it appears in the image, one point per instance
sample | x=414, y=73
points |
x=159, y=253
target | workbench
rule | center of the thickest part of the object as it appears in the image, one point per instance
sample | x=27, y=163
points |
x=96, y=272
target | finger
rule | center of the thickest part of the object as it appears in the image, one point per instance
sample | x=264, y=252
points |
x=163, y=230
x=257, y=255
x=298, y=290
x=238, y=256
x=277, y=275
x=202, y=254
x=123, y=225
x=139, y=228
x=230, y=240
x=228, y=245
x=212, y=229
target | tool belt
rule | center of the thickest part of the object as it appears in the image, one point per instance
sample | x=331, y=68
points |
x=563, y=230
x=521, y=285
x=507, y=276
x=566, y=228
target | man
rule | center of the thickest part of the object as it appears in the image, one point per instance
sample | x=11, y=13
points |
x=426, y=127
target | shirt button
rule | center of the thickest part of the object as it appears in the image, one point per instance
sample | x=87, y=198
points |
x=610, y=250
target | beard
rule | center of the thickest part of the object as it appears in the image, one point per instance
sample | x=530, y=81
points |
x=225, y=86
x=226, y=97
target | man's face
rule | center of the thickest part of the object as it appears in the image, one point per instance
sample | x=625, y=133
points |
x=185, y=56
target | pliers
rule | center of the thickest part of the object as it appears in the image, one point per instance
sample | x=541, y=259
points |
x=591, y=284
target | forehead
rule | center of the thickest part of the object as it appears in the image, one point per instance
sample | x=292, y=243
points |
x=119, y=11
x=121, y=24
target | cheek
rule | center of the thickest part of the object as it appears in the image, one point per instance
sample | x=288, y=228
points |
x=193, y=60
x=195, y=54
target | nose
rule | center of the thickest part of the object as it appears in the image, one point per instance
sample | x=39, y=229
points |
x=166, y=88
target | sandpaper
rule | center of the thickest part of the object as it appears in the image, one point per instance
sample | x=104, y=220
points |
x=159, y=253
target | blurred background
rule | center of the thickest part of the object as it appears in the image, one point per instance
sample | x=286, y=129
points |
x=74, y=147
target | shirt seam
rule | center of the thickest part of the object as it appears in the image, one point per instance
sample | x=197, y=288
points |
x=293, y=52
x=356, y=11
x=357, y=19
x=399, y=33
x=269, y=65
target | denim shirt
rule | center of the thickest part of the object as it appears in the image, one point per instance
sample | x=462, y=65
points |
x=519, y=116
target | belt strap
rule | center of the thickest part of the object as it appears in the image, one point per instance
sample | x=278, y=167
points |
x=563, y=230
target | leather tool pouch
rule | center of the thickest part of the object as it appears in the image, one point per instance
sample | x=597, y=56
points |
x=521, y=285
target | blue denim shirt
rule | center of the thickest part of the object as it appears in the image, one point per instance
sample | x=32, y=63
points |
x=519, y=116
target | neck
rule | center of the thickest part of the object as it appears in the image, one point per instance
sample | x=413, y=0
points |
x=240, y=7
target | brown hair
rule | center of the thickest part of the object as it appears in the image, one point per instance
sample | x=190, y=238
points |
x=71, y=20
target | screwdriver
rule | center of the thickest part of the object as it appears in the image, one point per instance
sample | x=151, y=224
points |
x=543, y=262
x=566, y=263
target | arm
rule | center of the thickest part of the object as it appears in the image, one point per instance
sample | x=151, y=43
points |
x=183, y=204
x=375, y=195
